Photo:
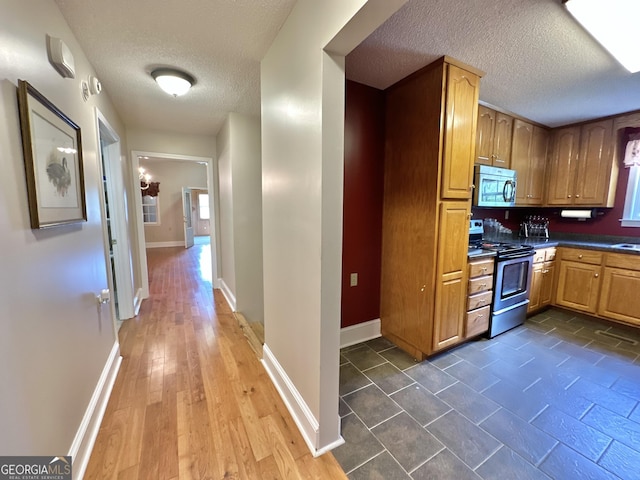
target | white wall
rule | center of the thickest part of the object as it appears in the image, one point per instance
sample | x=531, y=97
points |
x=225, y=182
x=247, y=218
x=240, y=177
x=302, y=157
x=168, y=142
x=54, y=338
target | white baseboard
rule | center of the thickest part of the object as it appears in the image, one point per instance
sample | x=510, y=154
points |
x=176, y=243
x=228, y=294
x=137, y=302
x=85, y=438
x=298, y=408
x=359, y=333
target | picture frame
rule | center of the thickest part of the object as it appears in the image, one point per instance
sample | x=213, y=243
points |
x=52, y=146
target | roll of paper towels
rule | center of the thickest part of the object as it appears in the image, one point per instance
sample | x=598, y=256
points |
x=580, y=214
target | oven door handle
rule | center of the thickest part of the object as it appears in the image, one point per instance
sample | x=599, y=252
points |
x=513, y=256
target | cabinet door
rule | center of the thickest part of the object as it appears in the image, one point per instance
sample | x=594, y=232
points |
x=594, y=167
x=484, y=135
x=451, y=281
x=461, y=114
x=536, y=286
x=537, y=166
x=546, y=287
x=562, y=165
x=578, y=286
x=502, y=141
x=619, y=299
x=520, y=158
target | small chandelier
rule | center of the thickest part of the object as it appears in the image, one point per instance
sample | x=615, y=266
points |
x=144, y=178
x=174, y=82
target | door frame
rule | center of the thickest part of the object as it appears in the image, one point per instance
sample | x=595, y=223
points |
x=112, y=174
x=214, y=232
x=187, y=214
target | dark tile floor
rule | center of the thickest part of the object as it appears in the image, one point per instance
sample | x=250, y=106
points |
x=555, y=398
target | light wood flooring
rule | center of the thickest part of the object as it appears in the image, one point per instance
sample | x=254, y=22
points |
x=191, y=400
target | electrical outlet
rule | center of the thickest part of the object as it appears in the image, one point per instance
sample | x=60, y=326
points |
x=354, y=280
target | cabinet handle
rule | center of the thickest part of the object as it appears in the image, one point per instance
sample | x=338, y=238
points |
x=568, y=196
x=499, y=160
x=577, y=195
x=545, y=271
x=479, y=316
x=483, y=285
x=580, y=257
x=484, y=269
x=596, y=275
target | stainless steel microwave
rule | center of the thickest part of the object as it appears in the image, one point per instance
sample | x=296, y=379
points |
x=494, y=187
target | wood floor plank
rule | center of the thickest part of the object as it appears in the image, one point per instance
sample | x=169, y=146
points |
x=192, y=401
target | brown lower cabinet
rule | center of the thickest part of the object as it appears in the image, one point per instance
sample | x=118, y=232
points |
x=542, y=278
x=480, y=295
x=599, y=283
x=620, y=295
x=579, y=279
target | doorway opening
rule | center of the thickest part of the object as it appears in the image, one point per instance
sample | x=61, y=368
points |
x=151, y=159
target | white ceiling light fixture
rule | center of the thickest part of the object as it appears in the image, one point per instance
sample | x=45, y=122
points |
x=612, y=23
x=174, y=82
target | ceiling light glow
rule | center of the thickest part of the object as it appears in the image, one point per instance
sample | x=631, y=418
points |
x=174, y=82
x=613, y=23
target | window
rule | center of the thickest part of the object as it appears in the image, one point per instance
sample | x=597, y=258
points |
x=631, y=213
x=203, y=206
x=150, y=210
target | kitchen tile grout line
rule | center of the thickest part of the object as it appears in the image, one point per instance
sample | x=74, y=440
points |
x=569, y=356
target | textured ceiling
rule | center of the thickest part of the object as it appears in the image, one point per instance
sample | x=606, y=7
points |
x=539, y=63
x=219, y=42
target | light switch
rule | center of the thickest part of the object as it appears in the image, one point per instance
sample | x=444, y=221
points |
x=354, y=280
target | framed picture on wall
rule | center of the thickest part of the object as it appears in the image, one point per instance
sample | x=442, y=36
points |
x=52, y=147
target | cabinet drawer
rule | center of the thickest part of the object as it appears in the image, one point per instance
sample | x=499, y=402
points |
x=477, y=322
x=479, y=300
x=539, y=256
x=622, y=260
x=550, y=254
x=480, y=284
x=484, y=267
x=583, y=256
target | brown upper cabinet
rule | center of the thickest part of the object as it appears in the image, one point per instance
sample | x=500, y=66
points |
x=460, y=134
x=582, y=167
x=493, y=139
x=529, y=159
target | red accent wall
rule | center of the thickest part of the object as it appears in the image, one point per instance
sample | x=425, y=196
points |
x=363, y=191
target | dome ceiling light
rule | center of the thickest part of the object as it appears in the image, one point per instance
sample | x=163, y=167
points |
x=172, y=81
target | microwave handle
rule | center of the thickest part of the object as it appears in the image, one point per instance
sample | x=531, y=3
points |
x=508, y=197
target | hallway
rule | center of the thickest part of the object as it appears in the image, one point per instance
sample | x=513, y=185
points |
x=191, y=400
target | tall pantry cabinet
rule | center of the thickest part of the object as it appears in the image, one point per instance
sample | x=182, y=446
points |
x=431, y=121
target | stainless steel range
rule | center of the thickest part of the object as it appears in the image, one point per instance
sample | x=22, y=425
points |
x=512, y=280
